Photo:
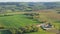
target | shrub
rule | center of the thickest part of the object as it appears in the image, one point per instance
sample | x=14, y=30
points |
x=1, y=27
x=19, y=31
x=29, y=28
x=8, y=15
x=58, y=12
x=35, y=28
x=26, y=29
x=13, y=30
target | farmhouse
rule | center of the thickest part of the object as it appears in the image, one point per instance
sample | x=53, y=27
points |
x=46, y=26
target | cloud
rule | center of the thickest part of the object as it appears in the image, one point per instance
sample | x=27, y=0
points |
x=29, y=0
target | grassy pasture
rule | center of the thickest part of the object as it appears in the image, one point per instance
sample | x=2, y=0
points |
x=21, y=20
x=16, y=21
x=51, y=16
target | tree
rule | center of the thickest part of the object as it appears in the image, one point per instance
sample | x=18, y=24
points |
x=13, y=30
x=29, y=29
x=19, y=31
x=26, y=29
x=35, y=28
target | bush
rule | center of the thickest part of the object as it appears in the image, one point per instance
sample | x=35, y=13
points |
x=7, y=15
x=13, y=30
x=26, y=29
x=35, y=28
x=29, y=28
x=1, y=27
x=19, y=31
x=58, y=12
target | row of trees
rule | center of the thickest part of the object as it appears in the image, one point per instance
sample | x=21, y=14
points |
x=26, y=29
x=32, y=15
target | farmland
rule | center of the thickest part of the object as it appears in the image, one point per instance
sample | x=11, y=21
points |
x=52, y=17
x=23, y=18
x=18, y=20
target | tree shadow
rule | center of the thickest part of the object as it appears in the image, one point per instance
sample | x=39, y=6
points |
x=6, y=32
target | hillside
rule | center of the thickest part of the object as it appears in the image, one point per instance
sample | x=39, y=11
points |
x=23, y=17
x=15, y=21
x=28, y=6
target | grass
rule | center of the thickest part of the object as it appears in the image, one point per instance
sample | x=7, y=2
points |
x=18, y=21
x=52, y=17
x=41, y=32
x=15, y=21
x=21, y=20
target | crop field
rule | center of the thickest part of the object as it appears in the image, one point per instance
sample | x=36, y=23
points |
x=16, y=21
x=29, y=17
x=19, y=20
x=52, y=17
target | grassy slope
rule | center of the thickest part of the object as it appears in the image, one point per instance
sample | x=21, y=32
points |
x=15, y=21
x=52, y=17
x=20, y=20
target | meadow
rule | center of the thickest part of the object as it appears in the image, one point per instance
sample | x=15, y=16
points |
x=12, y=17
x=52, y=17
x=16, y=21
x=19, y=20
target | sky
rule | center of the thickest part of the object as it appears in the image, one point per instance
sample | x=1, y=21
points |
x=29, y=0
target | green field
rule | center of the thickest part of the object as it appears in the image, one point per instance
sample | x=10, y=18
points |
x=25, y=17
x=16, y=21
x=52, y=17
x=19, y=20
